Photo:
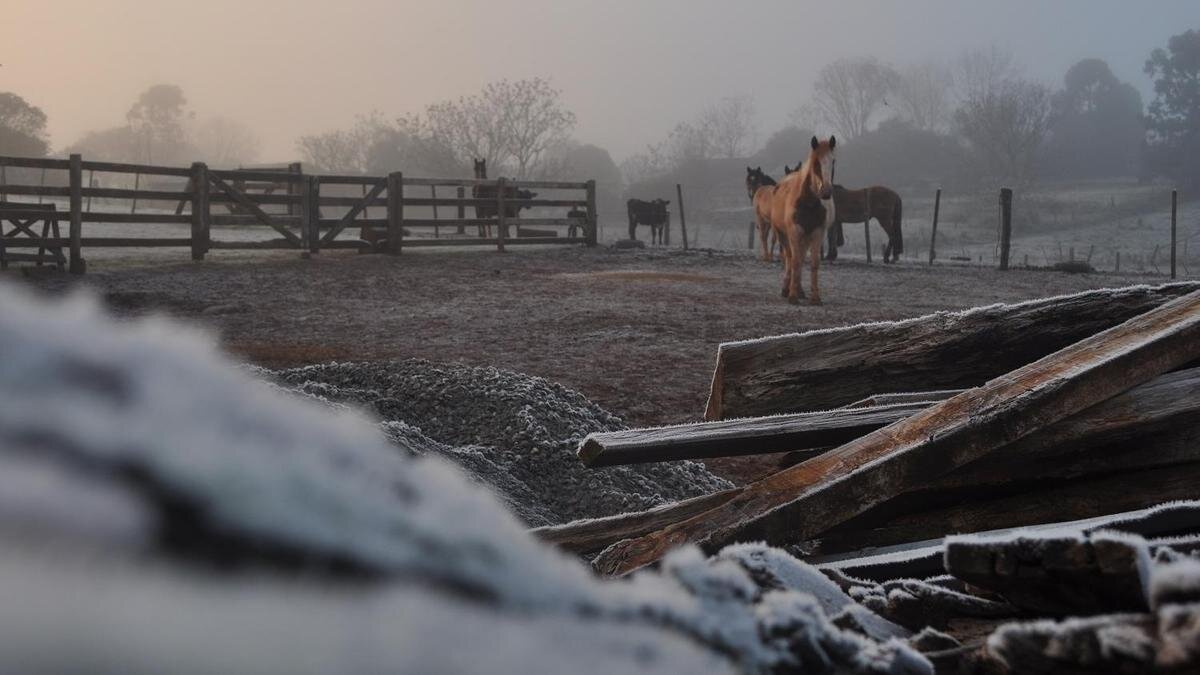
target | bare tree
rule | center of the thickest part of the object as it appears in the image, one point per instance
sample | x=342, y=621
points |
x=849, y=92
x=511, y=124
x=980, y=72
x=729, y=126
x=1005, y=125
x=344, y=151
x=156, y=120
x=224, y=142
x=922, y=92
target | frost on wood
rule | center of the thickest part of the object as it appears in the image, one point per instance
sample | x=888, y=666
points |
x=1057, y=573
x=162, y=475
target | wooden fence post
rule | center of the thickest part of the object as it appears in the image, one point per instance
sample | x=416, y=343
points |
x=462, y=209
x=501, y=222
x=592, y=217
x=1174, y=212
x=867, y=238
x=4, y=183
x=76, y=172
x=433, y=195
x=200, y=216
x=310, y=215
x=395, y=212
x=937, y=204
x=682, y=218
x=295, y=187
x=1006, y=196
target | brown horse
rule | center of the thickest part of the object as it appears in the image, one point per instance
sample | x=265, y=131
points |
x=804, y=203
x=860, y=206
x=761, y=189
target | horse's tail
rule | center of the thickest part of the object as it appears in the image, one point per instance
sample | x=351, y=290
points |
x=897, y=216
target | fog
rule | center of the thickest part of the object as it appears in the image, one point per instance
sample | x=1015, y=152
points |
x=629, y=70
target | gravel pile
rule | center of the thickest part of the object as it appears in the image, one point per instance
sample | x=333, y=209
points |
x=516, y=433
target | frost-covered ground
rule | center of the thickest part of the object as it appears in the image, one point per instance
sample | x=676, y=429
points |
x=164, y=511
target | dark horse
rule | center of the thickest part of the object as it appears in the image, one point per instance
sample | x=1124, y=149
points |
x=489, y=192
x=860, y=206
x=652, y=213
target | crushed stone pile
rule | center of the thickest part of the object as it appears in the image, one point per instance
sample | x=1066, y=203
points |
x=163, y=511
x=513, y=432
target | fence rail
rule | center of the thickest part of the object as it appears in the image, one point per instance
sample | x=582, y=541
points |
x=288, y=202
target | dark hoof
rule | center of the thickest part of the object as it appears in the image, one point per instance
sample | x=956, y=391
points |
x=793, y=301
x=816, y=302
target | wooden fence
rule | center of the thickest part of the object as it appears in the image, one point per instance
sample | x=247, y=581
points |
x=306, y=212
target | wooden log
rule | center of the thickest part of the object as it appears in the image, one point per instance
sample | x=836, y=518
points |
x=587, y=536
x=733, y=438
x=77, y=264
x=802, y=501
x=1151, y=426
x=830, y=368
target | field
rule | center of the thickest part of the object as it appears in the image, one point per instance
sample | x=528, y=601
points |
x=635, y=331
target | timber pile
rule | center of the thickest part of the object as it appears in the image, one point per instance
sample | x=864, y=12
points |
x=898, y=434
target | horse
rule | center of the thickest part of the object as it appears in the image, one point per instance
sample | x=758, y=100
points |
x=489, y=192
x=761, y=188
x=860, y=206
x=653, y=213
x=803, y=202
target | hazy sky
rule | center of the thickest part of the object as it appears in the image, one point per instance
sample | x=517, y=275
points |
x=629, y=69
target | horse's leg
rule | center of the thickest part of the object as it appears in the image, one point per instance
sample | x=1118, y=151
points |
x=815, y=261
x=831, y=241
x=800, y=242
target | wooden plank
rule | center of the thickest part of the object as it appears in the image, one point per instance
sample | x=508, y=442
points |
x=254, y=221
x=99, y=242
x=524, y=241
x=35, y=163
x=35, y=191
x=357, y=209
x=734, y=438
x=517, y=184
x=906, y=397
x=804, y=500
x=253, y=208
x=830, y=368
x=395, y=213
x=275, y=177
x=121, y=167
x=77, y=264
x=269, y=244
x=592, y=217
x=134, y=218
x=594, y=534
x=523, y=222
x=200, y=210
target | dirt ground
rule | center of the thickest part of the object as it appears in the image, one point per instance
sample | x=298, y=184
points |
x=636, y=331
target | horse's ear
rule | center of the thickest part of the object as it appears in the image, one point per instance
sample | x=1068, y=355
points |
x=749, y=170
x=832, y=142
x=815, y=142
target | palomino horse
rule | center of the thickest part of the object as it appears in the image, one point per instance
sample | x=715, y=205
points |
x=489, y=192
x=761, y=189
x=804, y=202
x=860, y=206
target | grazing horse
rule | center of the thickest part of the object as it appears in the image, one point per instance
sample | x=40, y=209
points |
x=860, y=206
x=803, y=202
x=653, y=213
x=761, y=189
x=489, y=192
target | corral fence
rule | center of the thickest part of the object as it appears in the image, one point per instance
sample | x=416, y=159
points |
x=1165, y=253
x=309, y=213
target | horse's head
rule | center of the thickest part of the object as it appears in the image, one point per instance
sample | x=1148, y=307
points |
x=755, y=179
x=822, y=165
x=481, y=168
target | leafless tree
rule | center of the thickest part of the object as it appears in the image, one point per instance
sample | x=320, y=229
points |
x=343, y=151
x=849, y=92
x=156, y=120
x=978, y=73
x=224, y=142
x=1005, y=125
x=729, y=126
x=923, y=95
x=511, y=124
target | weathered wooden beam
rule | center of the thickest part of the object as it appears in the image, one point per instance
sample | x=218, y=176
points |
x=587, y=536
x=733, y=438
x=906, y=397
x=241, y=200
x=830, y=368
x=802, y=501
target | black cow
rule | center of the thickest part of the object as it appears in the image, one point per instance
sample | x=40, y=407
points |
x=653, y=213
